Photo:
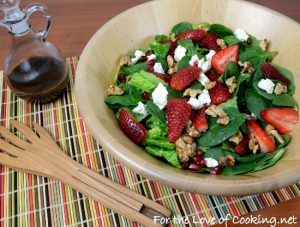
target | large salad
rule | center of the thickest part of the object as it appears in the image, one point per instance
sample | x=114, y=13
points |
x=207, y=99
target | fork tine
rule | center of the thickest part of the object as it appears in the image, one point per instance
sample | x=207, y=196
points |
x=30, y=135
x=10, y=149
x=12, y=138
x=41, y=131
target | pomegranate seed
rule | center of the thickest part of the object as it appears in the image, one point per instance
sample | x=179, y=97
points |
x=199, y=152
x=216, y=170
x=185, y=165
x=146, y=95
x=193, y=115
x=144, y=58
x=194, y=167
x=151, y=62
x=249, y=41
x=203, y=163
x=122, y=78
x=197, y=160
x=150, y=65
x=195, y=64
x=149, y=52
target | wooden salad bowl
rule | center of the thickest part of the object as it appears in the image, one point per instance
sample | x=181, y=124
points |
x=135, y=28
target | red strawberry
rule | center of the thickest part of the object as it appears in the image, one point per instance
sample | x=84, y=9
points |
x=164, y=77
x=211, y=76
x=283, y=119
x=242, y=148
x=185, y=77
x=178, y=113
x=272, y=73
x=173, y=46
x=200, y=120
x=265, y=142
x=222, y=57
x=210, y=42
x=132, y=129
x=219, y=93
x=194, y=35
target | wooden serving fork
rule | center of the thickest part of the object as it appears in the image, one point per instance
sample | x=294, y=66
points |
x=40, y=155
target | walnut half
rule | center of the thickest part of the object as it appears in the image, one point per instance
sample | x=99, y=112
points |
x=114, y=90
x=184, y=150
x=228, y=160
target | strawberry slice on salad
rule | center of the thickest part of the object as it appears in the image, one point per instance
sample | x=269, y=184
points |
x=219, y=93
x=200, y=120
x=283, y=119
x=194, y=35
x=210, y=42
x=265, y=142
x=183, y=78
x=242, y=148
x=270, y=72
x=132, y=129
x=222, y=57
x=178, y=113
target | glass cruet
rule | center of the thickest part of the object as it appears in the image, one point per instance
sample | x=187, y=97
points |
x=34, y=68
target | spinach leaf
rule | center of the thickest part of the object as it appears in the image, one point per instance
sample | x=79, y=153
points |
x=181, y=27
x=160, y=50
x=286, y=73
x=255, y=102
x=163, y=63
x=284, y=100
x=168, y=155
x=160, y=38
x=239, y=169
x=155, y=111
x=231, y=40
x=255, y=56
x=201, y=25
x=220, y=30
x=145, y=81
x=189, y=46
x=287, y=139
x=174, y=94
x=231, y=70
x=217, y=133
x=184, y=62
x=129, y=70
x=196, y=85
x=269, y=160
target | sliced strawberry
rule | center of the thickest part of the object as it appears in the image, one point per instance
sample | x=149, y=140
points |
x=132, y=129
x=272, y=73
x=222, y=57
x=173, y=46
x=178, y=113
x=242, y=148
x=265, y=142
x=211, y=76
x=185, y=77
x=194, y=35
x=164, y=77
x=219, y=93
x=210, y=42
x=200, y=120
x=283, y=119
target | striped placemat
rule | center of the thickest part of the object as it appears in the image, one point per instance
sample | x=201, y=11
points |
x=29, y=200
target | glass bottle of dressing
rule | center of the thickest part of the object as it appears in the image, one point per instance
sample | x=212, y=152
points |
x=34, y=69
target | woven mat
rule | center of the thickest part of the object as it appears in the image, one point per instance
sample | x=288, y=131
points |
x=29, y=200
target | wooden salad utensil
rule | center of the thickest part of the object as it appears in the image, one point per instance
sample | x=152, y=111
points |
x=40, y=155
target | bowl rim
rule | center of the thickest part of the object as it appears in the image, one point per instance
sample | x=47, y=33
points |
x=156, y=173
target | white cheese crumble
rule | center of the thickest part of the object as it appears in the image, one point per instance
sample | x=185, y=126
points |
x=138, y=54
x=203, y=99
x=140, y=109
x=194, y=60
x=240, y=34
x=206, y=67
x=159, y=96
x=209, y=56
x=266, y=85
x=157, y=68
x=179, y=53
x=203, y=79
x=211, y=162
x=151, y=57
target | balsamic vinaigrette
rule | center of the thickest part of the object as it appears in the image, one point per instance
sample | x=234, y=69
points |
x=38, y=79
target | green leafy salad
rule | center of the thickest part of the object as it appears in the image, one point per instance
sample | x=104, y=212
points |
x=207, y=99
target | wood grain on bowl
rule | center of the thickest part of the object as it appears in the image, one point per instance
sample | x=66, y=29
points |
x=100, y=57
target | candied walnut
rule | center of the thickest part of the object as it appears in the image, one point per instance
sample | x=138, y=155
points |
x=170, y=61
x=221, y=43
x=263, y=44
x=184, y=150
x=210, y=84
x=202, y=27
x=228, y=160
x=247, y=67
x=125, y=60
x=237, y=138
x=280, y=89
x=231, y=83
x=253, y=144
x=114, y=90
x=270, y=130
x=212, y=111
x=187, y=139
x=223, y=120
x=193, y=132
x=191, y=92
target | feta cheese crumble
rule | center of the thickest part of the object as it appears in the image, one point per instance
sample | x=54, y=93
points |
x=157, y=68
x=209, y=56
x=203, y=99
x=140, y=109
x=266, y=85
x=211, y=162
x=179, y=53
x=240, y=34
x=151, y=57
x=194, y=60
x=138, y=54
x=203, y=79
x=206, y=67
x=159, y=96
